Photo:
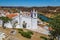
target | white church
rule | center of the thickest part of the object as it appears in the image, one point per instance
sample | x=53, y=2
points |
x=24, y=20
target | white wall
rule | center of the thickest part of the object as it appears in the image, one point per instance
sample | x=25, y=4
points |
x=27, y=20
x=0, y=23
x=34, y=23
x=8, y=25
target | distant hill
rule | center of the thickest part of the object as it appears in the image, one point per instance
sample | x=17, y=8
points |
x=47, y=9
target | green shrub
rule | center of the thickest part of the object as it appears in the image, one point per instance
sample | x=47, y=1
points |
x=44, y=38
x=30, y=32
x=20, y=29
x=26, y=34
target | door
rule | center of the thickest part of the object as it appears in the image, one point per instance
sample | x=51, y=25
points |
x=24, y=24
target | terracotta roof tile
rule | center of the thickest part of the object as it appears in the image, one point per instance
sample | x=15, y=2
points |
x=12, y=15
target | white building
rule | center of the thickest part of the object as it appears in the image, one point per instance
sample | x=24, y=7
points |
x=24, y=20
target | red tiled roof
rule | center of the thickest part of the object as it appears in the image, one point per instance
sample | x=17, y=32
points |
x=11, y=15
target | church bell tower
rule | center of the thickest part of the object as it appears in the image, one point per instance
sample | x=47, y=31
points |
x=34, y=12
x=34, y=19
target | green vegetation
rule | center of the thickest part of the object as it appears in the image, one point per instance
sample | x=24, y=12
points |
x=44, y=38
x=4, y=20
x=20, y=29
x=55, y=25
x=30, y=32
x=27, y=34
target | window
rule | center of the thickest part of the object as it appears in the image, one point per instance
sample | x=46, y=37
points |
x=24, y=24
x=34, y=14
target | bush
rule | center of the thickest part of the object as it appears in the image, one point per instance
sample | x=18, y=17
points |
x=30, y=32
x=26, y=34
x=44, y=38
x=20, y=29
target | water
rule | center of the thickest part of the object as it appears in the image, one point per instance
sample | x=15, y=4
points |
x=42, y=17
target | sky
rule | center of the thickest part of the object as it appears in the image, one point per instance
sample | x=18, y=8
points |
x=30, y=3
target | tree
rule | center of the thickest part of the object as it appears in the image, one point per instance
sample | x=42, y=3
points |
x=4, y=20
x=54, y=23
